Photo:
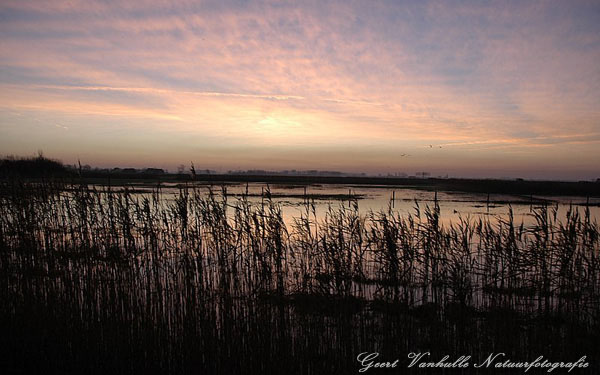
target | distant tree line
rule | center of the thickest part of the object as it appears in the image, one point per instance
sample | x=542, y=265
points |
x=293, y=172
x=40, y=167
x=36, y=167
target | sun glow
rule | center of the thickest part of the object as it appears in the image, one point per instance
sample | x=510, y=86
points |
x=306, y=83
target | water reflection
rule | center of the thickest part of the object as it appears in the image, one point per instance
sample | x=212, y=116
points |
x=401, y=200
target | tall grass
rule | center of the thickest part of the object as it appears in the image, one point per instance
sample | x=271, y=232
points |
x=169, y=275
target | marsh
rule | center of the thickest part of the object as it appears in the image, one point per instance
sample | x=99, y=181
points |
x=102, y=279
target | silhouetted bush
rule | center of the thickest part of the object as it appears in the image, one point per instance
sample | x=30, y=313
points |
x=31, y=167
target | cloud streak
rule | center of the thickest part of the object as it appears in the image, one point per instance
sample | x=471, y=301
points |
x=388, y=78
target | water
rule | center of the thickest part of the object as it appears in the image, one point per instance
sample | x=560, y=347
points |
x=400, y=199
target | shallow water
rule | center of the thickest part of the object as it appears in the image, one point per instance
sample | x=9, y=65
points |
x=402, y=200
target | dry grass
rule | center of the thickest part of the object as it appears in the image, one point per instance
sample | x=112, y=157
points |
x=192, y=281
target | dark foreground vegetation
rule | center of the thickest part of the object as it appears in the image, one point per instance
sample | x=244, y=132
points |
x=93, y=281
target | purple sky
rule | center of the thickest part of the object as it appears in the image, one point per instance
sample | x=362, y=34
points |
x=486, y=89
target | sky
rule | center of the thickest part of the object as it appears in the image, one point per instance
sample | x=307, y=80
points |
x=466, y=89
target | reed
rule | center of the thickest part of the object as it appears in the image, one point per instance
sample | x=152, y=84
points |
x=186, y=281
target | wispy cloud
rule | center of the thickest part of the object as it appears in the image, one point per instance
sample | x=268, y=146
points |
x=386, y=77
